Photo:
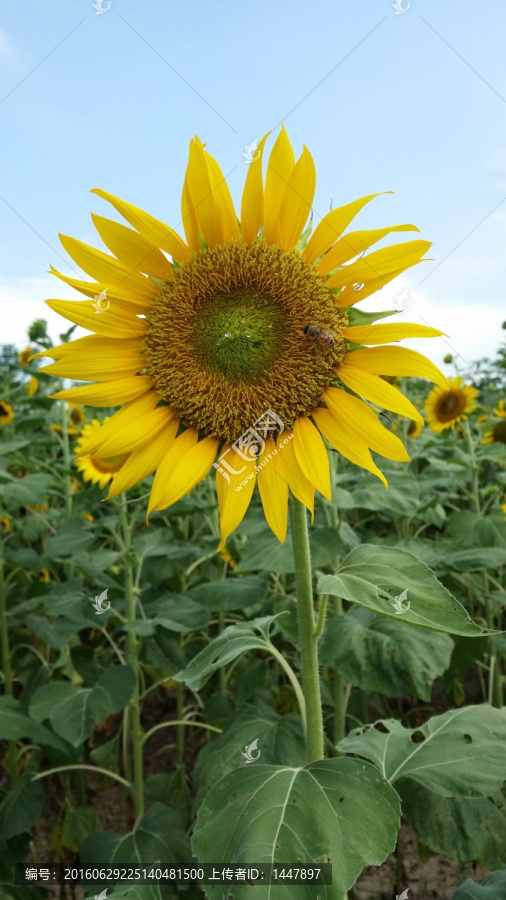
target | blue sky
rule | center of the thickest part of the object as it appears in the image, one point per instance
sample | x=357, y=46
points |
x=413, y=102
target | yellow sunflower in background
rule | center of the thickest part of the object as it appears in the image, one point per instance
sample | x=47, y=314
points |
x=415, y=429
x=6, y=413
x=24, y=356
x=239, y=343
x=32, y=386
x=445, y=406
x=5, y=524
x=98, y=470
x=497, y=434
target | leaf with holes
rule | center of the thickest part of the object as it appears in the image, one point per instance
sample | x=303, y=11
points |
x=456, y=754
x=276, y=814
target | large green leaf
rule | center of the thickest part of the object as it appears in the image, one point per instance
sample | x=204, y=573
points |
x=469, y=829
x=15, y=725
x=280, y=741
x=31, y=489
x=71, y=537
x=459, y=753
x=159, y=836
x=233, y=641
x=279, y=814
x=21, y=806
x=493, y=888
x=377, y=653
x=373, y=576
x=75, y=712
x=263, y=553
x=231, y=593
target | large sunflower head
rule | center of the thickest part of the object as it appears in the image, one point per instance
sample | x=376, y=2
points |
x=98, y=470
x=445, y=406
x=239, y=347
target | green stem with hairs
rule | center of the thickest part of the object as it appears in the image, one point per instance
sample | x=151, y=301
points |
x=307, y=631
x=132, y=721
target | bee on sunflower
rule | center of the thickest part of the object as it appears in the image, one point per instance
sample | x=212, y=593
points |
x=202, y=336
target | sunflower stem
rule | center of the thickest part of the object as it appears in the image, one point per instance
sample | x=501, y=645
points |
x=307, y=631
x=66, y=458
x=6, y=665
x=133, y=718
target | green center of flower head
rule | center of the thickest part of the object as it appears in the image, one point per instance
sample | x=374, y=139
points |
x=240, y=334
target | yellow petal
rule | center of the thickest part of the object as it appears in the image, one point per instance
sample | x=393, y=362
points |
x=188, y=472
x=356, y=242
x=204, y=200
x=346, y=443
x=279, y=168
x=252, y=204
x=379, y=263
x=332, y=226
x=107, y=369
x=222, y=199
x=289, y=467
x=235, y=482
x=176, y=451
x=114, y=292
x=353, y=414
x=297, y=201
x=122, y=422
x=107, y=269
x=377, y=391
x=190, y=223
x=133, y=249
x=118, y=321
x=352, y=294
x=273, y=490
x=107, y=393
x=396, y=361
x=386, y=334
x=144, y=461
x=312, y=455
x=155, y=231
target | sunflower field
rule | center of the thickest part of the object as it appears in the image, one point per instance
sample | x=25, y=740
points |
x=240, y=655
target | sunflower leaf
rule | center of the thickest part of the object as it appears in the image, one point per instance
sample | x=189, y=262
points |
x=393, y=582
x=359, y=317
x=264, y=813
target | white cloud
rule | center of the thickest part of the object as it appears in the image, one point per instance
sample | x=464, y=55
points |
x=22, y=300
x=471, y=331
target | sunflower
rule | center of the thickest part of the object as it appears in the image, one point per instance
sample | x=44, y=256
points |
x=44, y=575
x=98, y=470
x=57, y=429
x=445, y=406
x=5, y=524
x=240, y=342
x=415, y=429
x=32, y=386
x=76, y=414
x=6, y=413
x=24, y=356
x=497, y=434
